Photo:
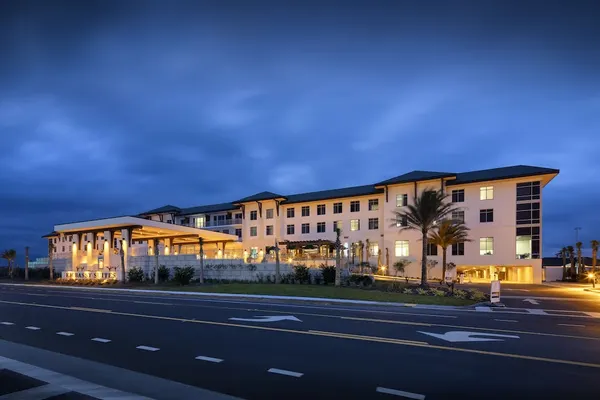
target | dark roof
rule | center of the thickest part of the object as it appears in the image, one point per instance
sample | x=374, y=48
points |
x=557, y=261
x=260, y=196
x=415, y=176
x=51, y=234
x=515, y=171
x=164, y=209
x=212, y=208
x=332, y=194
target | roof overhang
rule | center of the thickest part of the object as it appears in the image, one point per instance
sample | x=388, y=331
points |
x=144, y=229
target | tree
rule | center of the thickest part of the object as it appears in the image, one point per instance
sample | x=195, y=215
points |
x=277, y=266
x=580, y=267
x=446, y=234
x=400, y=266
x=564, y=253
x=427, y=210
x=122, y=259
x=571, y=252
x=594, y=244
x=338, y=261
x=9, y=255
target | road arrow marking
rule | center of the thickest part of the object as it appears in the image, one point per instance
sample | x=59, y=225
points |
x=267, y=318
x=532, y=301
x=464, y=336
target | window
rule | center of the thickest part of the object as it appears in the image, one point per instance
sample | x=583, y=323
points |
x=306, y=211
x=523, y=247
x=291, y=229
x=305, y=228
x=401, y=248
x=401, y=221
x=458, y=249
x=253, y=215
x=238, y=216
x=486, y=246
x=458, y=196
x=269, y=213
x=238, y=232
x=355, y=206
x=432, y=249
x=528, y=234
x=528, y=213
x=401, y=200
x=169, y=221
x=269, y=230
x=458, y=216
x=337, y=225
x=373, y=248
x=70, y=238
x=486, y=215
x=63, y=249
x=528, y=191
x=355, y=224
x=199, y=222
x=337, y=208
x=320, y=209
x=320, y=227
x=253, y=231
x=373, y=204
x=486, y=193
x=373, y=223
x=291, y=212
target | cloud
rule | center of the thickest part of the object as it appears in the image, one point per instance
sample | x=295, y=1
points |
x=291, y=178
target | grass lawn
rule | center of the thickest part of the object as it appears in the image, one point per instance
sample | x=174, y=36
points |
x=331, y=292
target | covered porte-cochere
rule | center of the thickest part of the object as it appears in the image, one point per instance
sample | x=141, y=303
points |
x=487, y=273
x=103, y=248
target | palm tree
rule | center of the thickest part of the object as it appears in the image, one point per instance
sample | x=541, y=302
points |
x=446, y=234
x=9, y=255
x=427, y=210
x=400, y=266
x=571, y=251
x=563, y=253
x=594, y=244
x=338, y=260
x=579, y=264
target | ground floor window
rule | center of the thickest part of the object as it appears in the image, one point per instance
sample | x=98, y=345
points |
x=373, y=249
x=401, y=248
x=524, y=247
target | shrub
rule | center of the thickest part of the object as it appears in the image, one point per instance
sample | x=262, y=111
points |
x=318, y=278
x=183, y=275
x=477, y=295
x=251, y=267
x=460, y=294
x=437, y=292
x=422, y=292
x=358, y=279
x=135, y=274
x=408, y=291
x=163, y=273
x=328, y=273
x=301, y=273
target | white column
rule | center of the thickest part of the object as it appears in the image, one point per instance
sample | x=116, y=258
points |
x=88, y=248
x=74, y=252
x=168, y=244
x=125, y=244
x=107, y=241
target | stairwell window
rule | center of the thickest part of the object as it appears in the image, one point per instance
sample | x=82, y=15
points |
x=401, y=248
x=486, y=193
x=486, y=246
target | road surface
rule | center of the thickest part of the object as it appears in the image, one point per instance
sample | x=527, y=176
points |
x=258, y=350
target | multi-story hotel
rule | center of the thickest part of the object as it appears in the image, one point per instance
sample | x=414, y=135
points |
x=501, y=206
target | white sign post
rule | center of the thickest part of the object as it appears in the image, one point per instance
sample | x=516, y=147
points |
x=495, y=292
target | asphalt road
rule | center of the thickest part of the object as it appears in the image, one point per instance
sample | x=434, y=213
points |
x=257, y=350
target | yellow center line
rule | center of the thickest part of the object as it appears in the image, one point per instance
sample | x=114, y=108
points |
x=337, y=335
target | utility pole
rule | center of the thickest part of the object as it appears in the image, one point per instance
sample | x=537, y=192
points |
x=26, y=263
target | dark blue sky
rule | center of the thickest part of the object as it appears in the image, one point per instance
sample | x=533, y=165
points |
x=115, y=107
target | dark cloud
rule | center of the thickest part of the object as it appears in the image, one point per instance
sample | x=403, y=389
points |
x=114, y=107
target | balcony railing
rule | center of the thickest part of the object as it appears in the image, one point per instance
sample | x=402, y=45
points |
x=212, y=224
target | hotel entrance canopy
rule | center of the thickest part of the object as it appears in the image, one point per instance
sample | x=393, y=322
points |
x=144, y=230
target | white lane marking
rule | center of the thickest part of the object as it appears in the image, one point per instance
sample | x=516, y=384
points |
x=210, y=359
x=6, y=323
x=465, y=336
x=285, y=372
x=593, y=314
x=147, y=348
x=574, y=325
x=401, y=393
x=483, y=309
x=506, y=320
x=101, y=340
x=152, y=302
x=65, y=333
x=531, y=301
x=536, y=311
x=32, y=328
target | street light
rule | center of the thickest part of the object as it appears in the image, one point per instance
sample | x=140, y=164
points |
x=592, y=276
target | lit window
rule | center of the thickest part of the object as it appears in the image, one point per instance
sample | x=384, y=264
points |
x=373, y=248
x=337, y=225
x=269, y=213
x=486, y=193
x=199, y=222
x=373, y=223
x=253, y=231
x=401, y=248
x=524, y=247
x=458, y=196
x=373, y=204
x=401, y=221
x=401, y=200
x=321, y=209
x=291, y=229
x=486, y=246
x=486, y=215
x=355, y=224
x=306, y=211
x=291, y=212
x=253, y=215
x=320, y=227
x=458, y=216
x=305, y=228
x=269, y=231
x=337, y=208
x=355, y=206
